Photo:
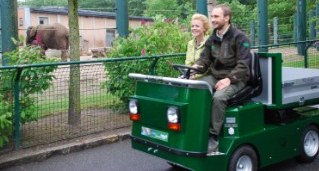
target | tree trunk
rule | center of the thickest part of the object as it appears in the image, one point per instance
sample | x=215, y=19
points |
x=74, y=88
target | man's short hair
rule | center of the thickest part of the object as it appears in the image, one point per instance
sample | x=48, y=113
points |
x=226, y=10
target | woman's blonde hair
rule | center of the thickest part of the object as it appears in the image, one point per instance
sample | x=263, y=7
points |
x=204, y=19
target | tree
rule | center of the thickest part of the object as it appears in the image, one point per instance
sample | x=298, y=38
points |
x=159, y=38
x=74, y=88
x=169, y=8
x=38, y=3
x=136, y=7
x=98, y=5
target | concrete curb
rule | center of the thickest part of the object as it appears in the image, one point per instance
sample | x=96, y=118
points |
x=24, y=156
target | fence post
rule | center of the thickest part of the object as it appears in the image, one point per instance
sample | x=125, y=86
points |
x=9, y=25
x=0, y=35
x=263, y=25
x=252, y=32
x=275, y=30
x=152, y=69
x=317, y=19
x=301, y=20
x=17, y=109
x=295, y=30
x=201, y=6
x=122, y=18
x=312, y=25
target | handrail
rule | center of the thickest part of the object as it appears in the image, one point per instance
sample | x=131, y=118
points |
x=170, y=80
x=285, y=44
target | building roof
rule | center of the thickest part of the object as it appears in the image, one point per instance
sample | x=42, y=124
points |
x=85, y=13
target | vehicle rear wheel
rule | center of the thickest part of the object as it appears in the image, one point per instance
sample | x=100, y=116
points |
x=309, y=144
x=243, y=159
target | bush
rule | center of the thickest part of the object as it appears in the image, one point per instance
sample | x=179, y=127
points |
x=32, y=80
x=162, y=37
x=5, y=121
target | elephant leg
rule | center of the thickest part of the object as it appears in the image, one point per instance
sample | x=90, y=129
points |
x=43, y=49
x=43, y=52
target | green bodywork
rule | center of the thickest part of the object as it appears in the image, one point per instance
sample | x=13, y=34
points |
x=243, y=125
x=154, y=99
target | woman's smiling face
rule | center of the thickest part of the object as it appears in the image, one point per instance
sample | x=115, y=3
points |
x=197, y=28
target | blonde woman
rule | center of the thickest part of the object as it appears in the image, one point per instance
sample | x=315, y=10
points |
x=200, y=28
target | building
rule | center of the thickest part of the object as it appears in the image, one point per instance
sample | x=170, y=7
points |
x=97, y=29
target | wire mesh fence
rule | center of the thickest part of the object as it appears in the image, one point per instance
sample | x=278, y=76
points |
x=293, y=56
x=44, y=117
x=97, y=108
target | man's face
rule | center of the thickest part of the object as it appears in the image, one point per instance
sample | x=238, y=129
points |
x=218, y=19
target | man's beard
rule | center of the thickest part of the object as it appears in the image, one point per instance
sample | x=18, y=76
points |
x=219, y=27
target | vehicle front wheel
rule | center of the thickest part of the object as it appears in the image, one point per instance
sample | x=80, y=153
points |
x=243, y=159
x=309, y=144
x=176, y=167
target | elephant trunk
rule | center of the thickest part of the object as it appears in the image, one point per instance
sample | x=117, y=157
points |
x=28, y=41
x=31, y=33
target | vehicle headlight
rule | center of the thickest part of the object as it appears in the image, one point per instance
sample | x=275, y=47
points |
x=133, y=106
x=133, y=109
x=172, y=114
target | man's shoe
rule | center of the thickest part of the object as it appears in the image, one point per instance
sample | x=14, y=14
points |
x=212, y=145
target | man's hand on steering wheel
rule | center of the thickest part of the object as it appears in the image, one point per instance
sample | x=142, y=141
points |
x=188, y=72
x=193, y=72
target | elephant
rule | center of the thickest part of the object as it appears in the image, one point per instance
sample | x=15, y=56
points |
x=49, y=36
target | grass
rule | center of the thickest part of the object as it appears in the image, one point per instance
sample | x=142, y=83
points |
x=97, y=100
x=313, y=62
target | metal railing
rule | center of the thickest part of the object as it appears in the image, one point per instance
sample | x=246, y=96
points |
x=100, y=109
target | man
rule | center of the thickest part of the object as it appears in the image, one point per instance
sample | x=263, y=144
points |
x=227, y=56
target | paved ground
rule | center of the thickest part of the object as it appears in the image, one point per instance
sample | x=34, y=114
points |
x=121, y=156
x=39, y=153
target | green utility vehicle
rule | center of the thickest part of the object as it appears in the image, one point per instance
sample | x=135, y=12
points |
x=274, y=118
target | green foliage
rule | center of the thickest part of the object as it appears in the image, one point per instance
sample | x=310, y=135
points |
x=150, y=8
x=5, y=121
x=242, y=15
x=38, y=3
x=247, y=2
x=105, y=5
x=32, y=80
x=136, y=7
x=169, y=8
x=159, y=38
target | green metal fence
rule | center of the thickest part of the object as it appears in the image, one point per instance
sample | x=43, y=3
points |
x=101, y=110
x=291, y=56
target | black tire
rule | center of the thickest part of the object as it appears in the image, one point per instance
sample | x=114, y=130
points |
x=243, y=159
x=176, y=167
x=309, y=144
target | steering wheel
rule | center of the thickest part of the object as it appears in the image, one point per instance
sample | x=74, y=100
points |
x=186, y=71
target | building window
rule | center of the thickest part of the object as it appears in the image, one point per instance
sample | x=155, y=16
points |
x=43, y=20
x=21, y=22
x=110, y=36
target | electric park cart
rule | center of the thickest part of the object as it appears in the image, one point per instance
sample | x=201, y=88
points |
x=274, y=118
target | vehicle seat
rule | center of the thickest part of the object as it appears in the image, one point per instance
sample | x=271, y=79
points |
x=254, y=84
